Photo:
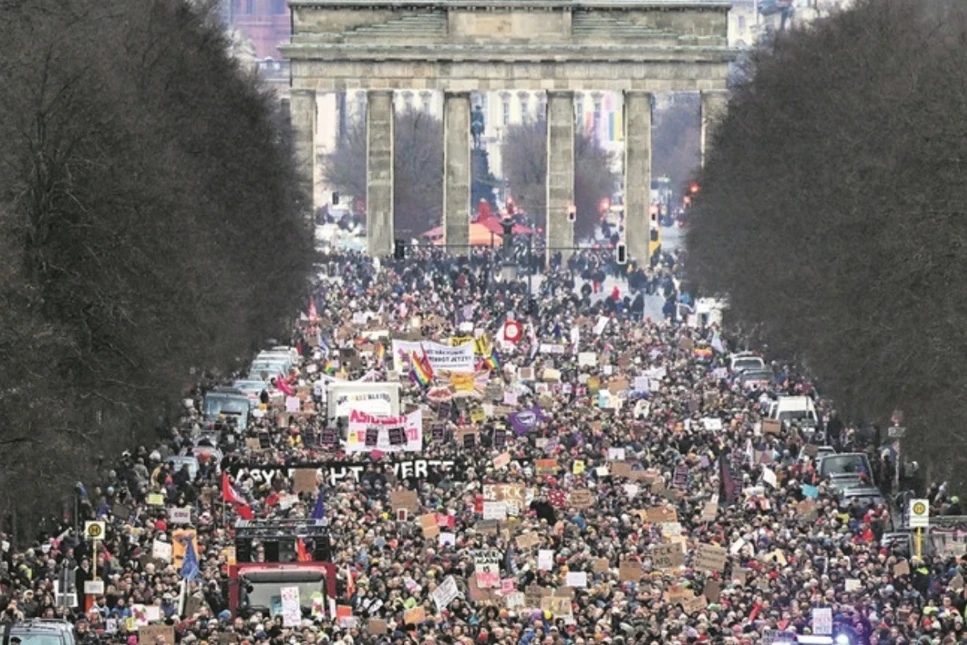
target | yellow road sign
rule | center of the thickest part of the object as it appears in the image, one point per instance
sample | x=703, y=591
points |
x=94, y=530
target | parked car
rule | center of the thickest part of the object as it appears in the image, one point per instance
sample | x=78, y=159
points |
x=847, y=463
x=265, y=370
x=43, y=631
x=753, y=378
x=223, y=402
x=251, y=388
x=865, y=495
x=743, y=361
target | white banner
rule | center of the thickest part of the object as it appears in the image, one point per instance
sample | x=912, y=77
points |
x=402, y=433
x=345, y=399
x=291, y=607
x=443, y=358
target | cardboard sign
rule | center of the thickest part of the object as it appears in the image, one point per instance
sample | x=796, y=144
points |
x=710, y=558
x=305, y=481
x=477, y=593
x=739, y=576
x=621, y=469
x=377, y=626
x=660, y=515
x=557, y=606
x=901, y=568
x=415, y=616
x=618, y=385
x=709, y=511
x=405, y=499
x=677, y=594
x=156, y=634
x=694, y=605
x=712, y=591
x=581, y=498
x=528, y=540
x=601, y=565
x=771, y=426
x=667, y=556
x=630, y=571
x=533, y=595
x=429, y=525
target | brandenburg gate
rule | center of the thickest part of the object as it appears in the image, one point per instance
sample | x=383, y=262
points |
x=636, y=47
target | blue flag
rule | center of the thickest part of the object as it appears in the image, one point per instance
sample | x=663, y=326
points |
x=190, y=569
x=319, y=512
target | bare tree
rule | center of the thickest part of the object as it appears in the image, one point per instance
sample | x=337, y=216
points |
x=524, y=159
x=418, y=169
x=152, y=224
x=832, y=210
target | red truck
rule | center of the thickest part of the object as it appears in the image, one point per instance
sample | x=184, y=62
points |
x=268, y=558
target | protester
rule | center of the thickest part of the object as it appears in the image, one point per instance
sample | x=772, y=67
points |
x=638, y=496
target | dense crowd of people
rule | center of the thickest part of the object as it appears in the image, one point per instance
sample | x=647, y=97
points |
x=639, y=500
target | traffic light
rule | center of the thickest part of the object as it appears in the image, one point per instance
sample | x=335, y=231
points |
x=572, y=213
x=694, y=188
x=335, y=198
x=399, y=250
x=621, y=253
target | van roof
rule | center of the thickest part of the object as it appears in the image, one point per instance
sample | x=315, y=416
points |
x=793, y=398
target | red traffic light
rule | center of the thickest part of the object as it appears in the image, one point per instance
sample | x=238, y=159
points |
x=694, y=188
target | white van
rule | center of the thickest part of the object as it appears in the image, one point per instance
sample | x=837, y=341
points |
x=789, y=409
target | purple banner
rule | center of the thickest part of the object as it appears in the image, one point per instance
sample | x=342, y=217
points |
x=526, y=420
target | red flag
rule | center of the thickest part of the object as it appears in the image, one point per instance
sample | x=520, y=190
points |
x=231, y=496
x=283, y=387
x=350, y=583
x=313, y=314
x=301, y=553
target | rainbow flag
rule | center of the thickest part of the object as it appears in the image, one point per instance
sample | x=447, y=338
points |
x=703, y=353
x=493, y=360
x=329, y=368
x=420, y=369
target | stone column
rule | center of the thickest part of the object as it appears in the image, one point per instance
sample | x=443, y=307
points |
x=560, y=173
x=637, y=169
x=379, y=172
x=714, y=105
x=303, y=117
x=456, y=171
